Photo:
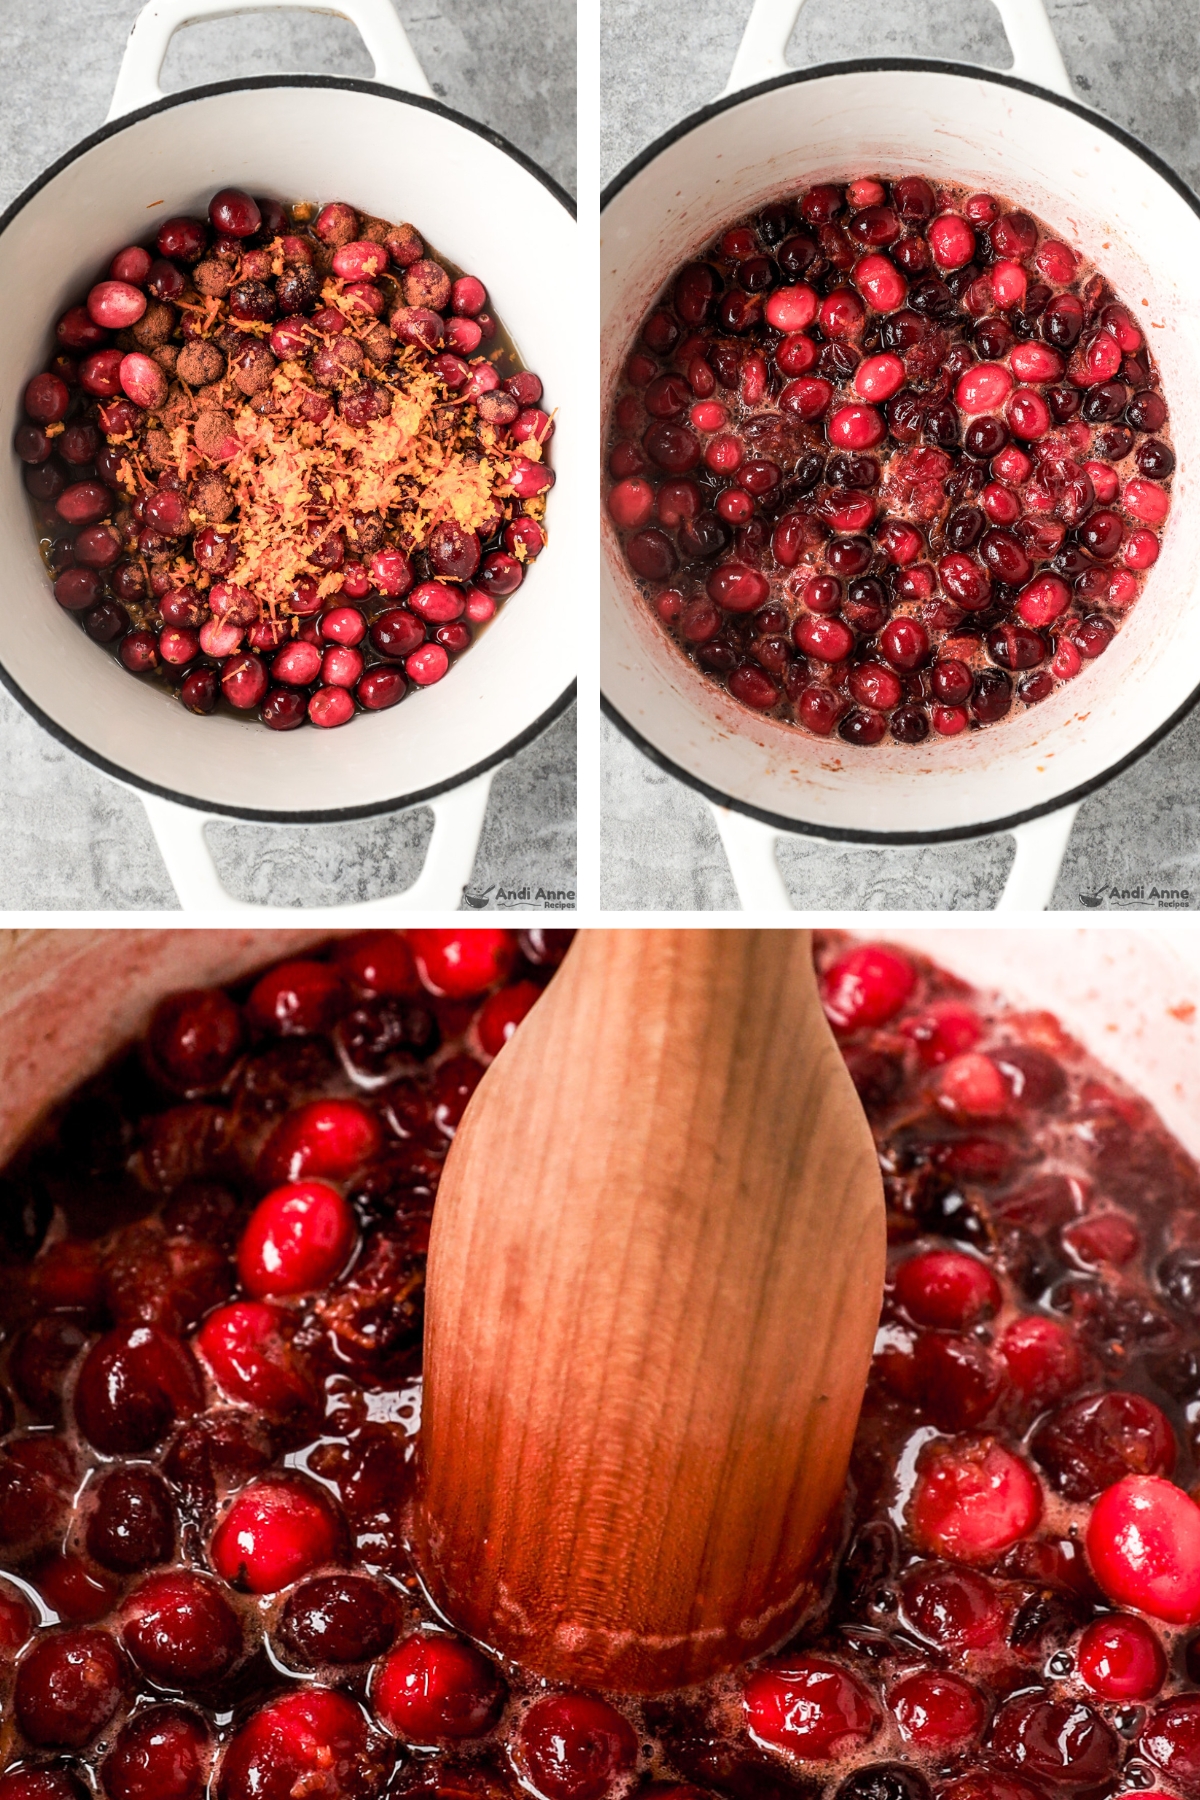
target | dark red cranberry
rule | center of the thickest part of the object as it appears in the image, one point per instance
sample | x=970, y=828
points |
x=106, y=622
x=132, y=1524
x=435, y=1687
x=39, y=1362
x=233, y=213
x=992, y=697
x=575, y=1747
x=1147, y=412
x=194, y=1039
x=985, y=438
x=337, y=1619
x=37, y=1482
x=1155, y=459
x=1054, y=1740
x=44, y=481
x=180, y=1628
x=41, y=1784
x=863, y=728
x=135, y=1383
x=395, y=634
x=284, y=709
x=69, y=1685
x=161, y=1753
x=1089, y=1444
x=199, y=691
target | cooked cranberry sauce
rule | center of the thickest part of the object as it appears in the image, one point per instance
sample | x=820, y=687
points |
x=285, y=461
x=211, y=1398
x=889, y=460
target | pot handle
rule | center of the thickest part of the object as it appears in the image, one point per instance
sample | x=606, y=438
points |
x=457, y=825
x=749, y=846
x=1041, y=846
x=762, y=53
x=374, y=20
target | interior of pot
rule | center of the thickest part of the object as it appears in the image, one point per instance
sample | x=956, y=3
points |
x=69, y=1000
x=1102, y=197
x=483, y=211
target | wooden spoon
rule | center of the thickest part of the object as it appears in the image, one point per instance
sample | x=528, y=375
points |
x=654, y=1282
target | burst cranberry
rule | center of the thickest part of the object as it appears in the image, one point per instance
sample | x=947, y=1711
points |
x=310, y=1741
x=132, y=1524
x=181, y=1630
x=248, y=1348
x=274, y=1532
x=973, y=1498
x=954, y=1608
x=194, y=1039
x=459, y=964
x=296, y=1241
x=937, y=1711
x=810, y=1707
x=574, y=1747
x=297, y=999
x=1091, y=1443
x=135, y=1382
x=866, y=987
x=434, y=1687
x=1121, y=1659
x=1053, y=1740
x=1143, y=1543
x=1042, y=1359
x=69, y=1685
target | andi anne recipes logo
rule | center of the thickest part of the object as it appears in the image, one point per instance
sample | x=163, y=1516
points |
x=530, y=894
x=1138, y=896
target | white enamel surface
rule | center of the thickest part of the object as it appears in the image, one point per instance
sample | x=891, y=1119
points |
x=1103, y=199
x=481, y=210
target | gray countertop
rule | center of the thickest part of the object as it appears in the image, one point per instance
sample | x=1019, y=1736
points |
x=70, y=837
x=1134, y=60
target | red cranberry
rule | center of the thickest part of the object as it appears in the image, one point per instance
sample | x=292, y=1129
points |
x=866, y=987
x=46, y=399
x=115, y=305
x=502, y=1012
x=381, y=688
x=333, y=706
x=16, y=1621
x=84, y=503
x=808, y=1706
x=194, y=1039
x=458, y=964
x=244, y=681
x=433, y=1687
x=952, y=1607
x=132, y=1524
x=1171, y=1740
x=76, y=589
x=275, y=1532
x=947, y=1288
x=1121, y=1659
x=69, y=1685
x=1143, y=1543
x=310, y=1740
x=199, y=691
x=297, y=1240
x=332, y=1138
x=338, y=1619
x=135, y=1382
x=973, y=1498
x=1091, y=1443
x=161, y=1753
x=575, y=1747
x=248, y=1348
x=180, y=1628
x=937, y=1711
x=183, y=240
x=297, y=999
x=1042, y=1359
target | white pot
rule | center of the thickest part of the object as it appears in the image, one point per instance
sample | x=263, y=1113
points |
x=401, y=155
x=70, y=999
x=1102, y=191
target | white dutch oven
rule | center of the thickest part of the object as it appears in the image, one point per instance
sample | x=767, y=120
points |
x=774, y=131
x=398, y=154
x=70, y=999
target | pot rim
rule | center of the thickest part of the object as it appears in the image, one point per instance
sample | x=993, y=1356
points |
x=896, y=65
x=270, y=815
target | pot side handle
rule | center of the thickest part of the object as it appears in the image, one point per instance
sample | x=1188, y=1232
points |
x=375, y=21
x=762, y=53
x=457, y=825
x=749, y=846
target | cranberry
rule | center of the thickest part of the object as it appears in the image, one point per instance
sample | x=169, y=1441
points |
x=180, y=1628
x=433, y=1687
x=866, y=987
x=381, y=688
x=132, y=1524
x=337, y=1619
x=1042, y=1359
x=199, y=691
x=297, y=1239
x=459, y=964
x=309, y=1740
x=425, y=666
x=273, y=1533
x=161, y=1753
x=16, y=1620
x=115, y=305
x=396, y=633
x=947, y=1288
x=69, y=1685
x=46, y=399
x=952, y=1607
x=297, y=999
x=1053, y=1740
x=193, y=1040
x=1091, y=1443
x=808, y=1706
x=1171, y=1740
x=973, y=1498
x=248, y=1348
x=1121, y=1659
x=574, y=1747
x=135, y=1382
x=937, y=1711
x=502, y=1012
x=1143, y=1543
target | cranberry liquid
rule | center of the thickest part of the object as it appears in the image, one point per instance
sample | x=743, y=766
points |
x=285, y=460
x=210, y=1390
x=889, y=461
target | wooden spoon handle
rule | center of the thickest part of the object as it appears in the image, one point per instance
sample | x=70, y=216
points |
x=654, y=1281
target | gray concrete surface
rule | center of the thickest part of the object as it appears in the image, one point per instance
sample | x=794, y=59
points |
x=71, y=838
x=1134, y=60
